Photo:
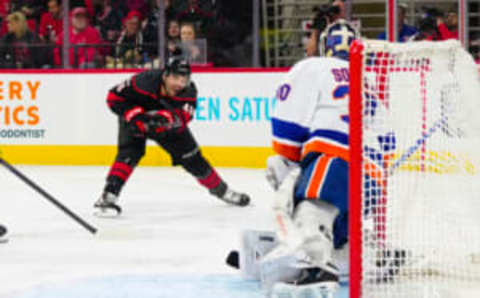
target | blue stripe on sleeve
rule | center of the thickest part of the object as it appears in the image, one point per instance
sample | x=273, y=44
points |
x=337, y=136
x=289, y=130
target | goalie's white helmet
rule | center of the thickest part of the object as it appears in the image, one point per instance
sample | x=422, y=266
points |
x=336, y=39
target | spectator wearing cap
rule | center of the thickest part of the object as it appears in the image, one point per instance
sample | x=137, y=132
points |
x=109, y=21
x=137, y=5
x=81, y=33
x=87, y=4
x=51, y=23
x=130, y=45
x=15, y=48
x=448, y=28
x=405, y=32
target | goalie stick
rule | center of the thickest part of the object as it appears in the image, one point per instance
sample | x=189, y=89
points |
x=47, y=196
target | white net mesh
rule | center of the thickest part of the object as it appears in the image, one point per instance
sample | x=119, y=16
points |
x=421, y=170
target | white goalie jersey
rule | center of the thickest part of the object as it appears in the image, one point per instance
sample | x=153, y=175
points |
x=311, y=114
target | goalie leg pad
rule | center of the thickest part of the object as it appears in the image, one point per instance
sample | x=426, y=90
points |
x=325, y=178
x=254, y=246
x=280, y=265
x=314, y=220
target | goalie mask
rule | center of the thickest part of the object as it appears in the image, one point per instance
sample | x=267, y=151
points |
x=336, y=39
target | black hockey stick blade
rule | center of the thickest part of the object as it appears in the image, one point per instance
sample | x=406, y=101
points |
x=47, y=196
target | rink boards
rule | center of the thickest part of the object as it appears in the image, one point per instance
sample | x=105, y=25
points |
x=61, y=117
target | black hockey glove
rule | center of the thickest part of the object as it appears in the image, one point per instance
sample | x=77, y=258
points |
x=163, y=122
x=137, y=119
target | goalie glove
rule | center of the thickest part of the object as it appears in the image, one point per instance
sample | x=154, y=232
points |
x=278, y=168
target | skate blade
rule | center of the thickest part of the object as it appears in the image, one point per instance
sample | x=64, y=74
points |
x=319, y=290
x=237, y=204
x=106, y=213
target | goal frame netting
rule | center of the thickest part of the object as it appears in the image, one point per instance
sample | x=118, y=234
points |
x=357, y=162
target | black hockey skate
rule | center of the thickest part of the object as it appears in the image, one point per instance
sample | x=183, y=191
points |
x=107, y=205
x=3, y=233
x=224, y=193
x=312, y=283
x=318, y=275
x=235, y=198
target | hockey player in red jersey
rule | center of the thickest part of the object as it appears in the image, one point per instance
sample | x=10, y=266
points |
x=158, y=105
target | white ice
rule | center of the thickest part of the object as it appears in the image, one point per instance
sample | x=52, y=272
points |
x=171, y=234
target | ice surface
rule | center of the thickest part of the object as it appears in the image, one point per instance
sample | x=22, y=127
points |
x=171, y=240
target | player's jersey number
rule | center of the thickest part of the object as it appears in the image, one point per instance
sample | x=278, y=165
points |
x=283, y=92
x=342, y=90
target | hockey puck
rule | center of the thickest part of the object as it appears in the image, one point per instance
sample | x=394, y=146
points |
x=233, y=259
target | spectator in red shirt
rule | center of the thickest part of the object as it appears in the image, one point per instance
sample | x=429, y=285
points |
x=448, y=28
x=80, y=33
x=51, y=23
x=4, y=8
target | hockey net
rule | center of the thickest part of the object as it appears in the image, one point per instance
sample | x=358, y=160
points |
x=415, y=170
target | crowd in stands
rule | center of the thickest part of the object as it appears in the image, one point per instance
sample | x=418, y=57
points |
x=433, y=25
x=108, y=33
x=124, y=33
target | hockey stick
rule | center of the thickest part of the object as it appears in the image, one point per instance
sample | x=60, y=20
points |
x=59, y=205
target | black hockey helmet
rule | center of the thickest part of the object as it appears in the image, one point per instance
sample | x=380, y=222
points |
x=178, y=64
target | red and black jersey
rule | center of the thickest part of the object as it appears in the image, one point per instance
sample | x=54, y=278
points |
x=143, y=91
